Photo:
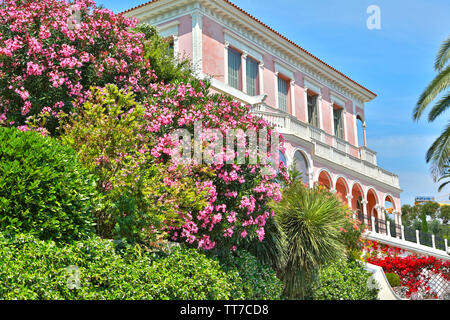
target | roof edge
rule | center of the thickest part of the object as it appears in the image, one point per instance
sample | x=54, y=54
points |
x=370, y=93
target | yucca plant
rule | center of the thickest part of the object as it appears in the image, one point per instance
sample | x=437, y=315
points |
x=309, y=222
x=439, y=152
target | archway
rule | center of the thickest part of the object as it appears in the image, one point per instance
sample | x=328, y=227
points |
x=357, y=198
x=282, y=158
x=389, y=213
x=342, y=189
x=301, y=165
x=325, y=180
x=372, y=202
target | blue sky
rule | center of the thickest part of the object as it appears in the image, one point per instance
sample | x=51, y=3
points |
x=395, y=62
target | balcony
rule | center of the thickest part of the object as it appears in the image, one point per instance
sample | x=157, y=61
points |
x=359, y=159
x=409, y=239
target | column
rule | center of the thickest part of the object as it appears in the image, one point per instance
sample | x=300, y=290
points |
x=197, y=18
x=261, y=78
x=319, y=110
x=276, y=90
x=332, y=120
x=364, y=205
x=378, y=218
x=344, y=125
x=225, y=71
x=306, y=102
x=175, y=46
x=244, y=71
x=382, y=219
x=398, y=223
x=364, y=131
x=292, y=94
x=311, y=179
x=349, y=198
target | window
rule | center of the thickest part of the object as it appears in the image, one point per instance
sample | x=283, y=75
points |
x=234, y=65
x=338, y=123
x=282, y=94
x=360, y=130
x=252, y=77
x=171, y=47
x=302, y=166
x=313, y=116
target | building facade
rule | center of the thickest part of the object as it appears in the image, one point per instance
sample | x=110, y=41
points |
x=315, y=107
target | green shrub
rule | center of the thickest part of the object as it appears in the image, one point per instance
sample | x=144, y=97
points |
x=394, y=279
x=35, y=269
x=344, y=280
x=137, y=201
x=44, y=190
x=256, y=281
x=190, y=275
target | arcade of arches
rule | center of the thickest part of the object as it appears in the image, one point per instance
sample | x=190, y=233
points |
x=364, y=202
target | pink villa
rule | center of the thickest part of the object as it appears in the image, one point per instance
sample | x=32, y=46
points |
x=315, y=107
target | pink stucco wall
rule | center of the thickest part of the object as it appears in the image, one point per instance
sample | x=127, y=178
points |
x=213, y=64
x=185, y=36
x=213, y=49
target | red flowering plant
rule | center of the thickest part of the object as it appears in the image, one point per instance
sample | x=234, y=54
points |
x=52, y=51
x=415, y=272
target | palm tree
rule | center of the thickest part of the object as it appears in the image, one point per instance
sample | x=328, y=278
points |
x=309, y=222
x=445, y=176
x=439, y=152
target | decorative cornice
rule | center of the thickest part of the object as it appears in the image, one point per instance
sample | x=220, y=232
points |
x=259, y=34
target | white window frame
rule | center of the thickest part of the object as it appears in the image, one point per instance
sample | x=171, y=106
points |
x=170, y=30
x=289, y=73
x=335, y=100
x=308, y=84
x=247, y=50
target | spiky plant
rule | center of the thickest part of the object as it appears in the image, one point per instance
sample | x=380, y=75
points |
x=439, y=152
x=310, y=223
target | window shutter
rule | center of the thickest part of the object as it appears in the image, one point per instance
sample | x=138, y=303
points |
x=282, y=94
x=313, y=115
x=252, y=75
x=234, y=64
x=338, y=123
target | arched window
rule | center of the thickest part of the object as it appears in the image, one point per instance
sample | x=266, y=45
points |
x=283, y=158
x=302, y=166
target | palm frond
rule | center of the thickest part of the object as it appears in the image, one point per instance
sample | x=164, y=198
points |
x=443, y=55
x=439, y=83
x=439, y=152
x=440, y=107
x=309, y=222
x=444, y=176
x=444, y=184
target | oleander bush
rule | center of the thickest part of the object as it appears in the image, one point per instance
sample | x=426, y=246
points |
x=35, y=269
x=44, y=190
x=344, y=280
x=218, y=202
x=52, y=52
x=109, y=136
